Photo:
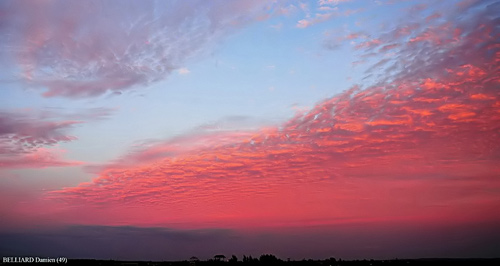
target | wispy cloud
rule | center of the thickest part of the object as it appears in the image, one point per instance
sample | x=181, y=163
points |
x=319, y=17
x=38, y=158
x=331, y=2
x=277, y=26
x=368, y=44
x=324, y=11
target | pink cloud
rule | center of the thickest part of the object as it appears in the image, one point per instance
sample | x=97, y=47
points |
x=37, y=158
x=84, y=49
x=27, y=135
x=405, y=30
x=388, y=47
x=433, y=16
x=417, y=148
x=154, y=151
x=434, y=35
x=368, y=44
x=318, y=18
x=353, y=36
x=438, y=44
x=21, y=133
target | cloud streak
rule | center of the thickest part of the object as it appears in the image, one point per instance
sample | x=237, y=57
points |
x=324, y=14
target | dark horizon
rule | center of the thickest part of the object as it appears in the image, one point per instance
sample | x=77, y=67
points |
x=348, y=241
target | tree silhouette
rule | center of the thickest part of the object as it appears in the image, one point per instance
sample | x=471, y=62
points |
x=268, y=259
x=249, y=260
x=233, y=259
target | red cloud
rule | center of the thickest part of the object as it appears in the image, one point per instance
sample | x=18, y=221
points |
x=423, y=148
x=421, y=145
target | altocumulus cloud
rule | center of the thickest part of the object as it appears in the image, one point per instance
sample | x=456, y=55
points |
x=81, y=49
x=362, y=155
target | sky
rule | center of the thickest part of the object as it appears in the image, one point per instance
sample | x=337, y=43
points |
x=161, y=130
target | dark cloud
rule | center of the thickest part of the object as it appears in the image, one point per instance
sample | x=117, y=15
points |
x=346, y=241
x=116, y=242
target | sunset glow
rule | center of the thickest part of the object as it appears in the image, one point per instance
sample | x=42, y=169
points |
x=291, y=121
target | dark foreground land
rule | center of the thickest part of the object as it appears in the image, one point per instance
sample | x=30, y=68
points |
x=256, y=262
